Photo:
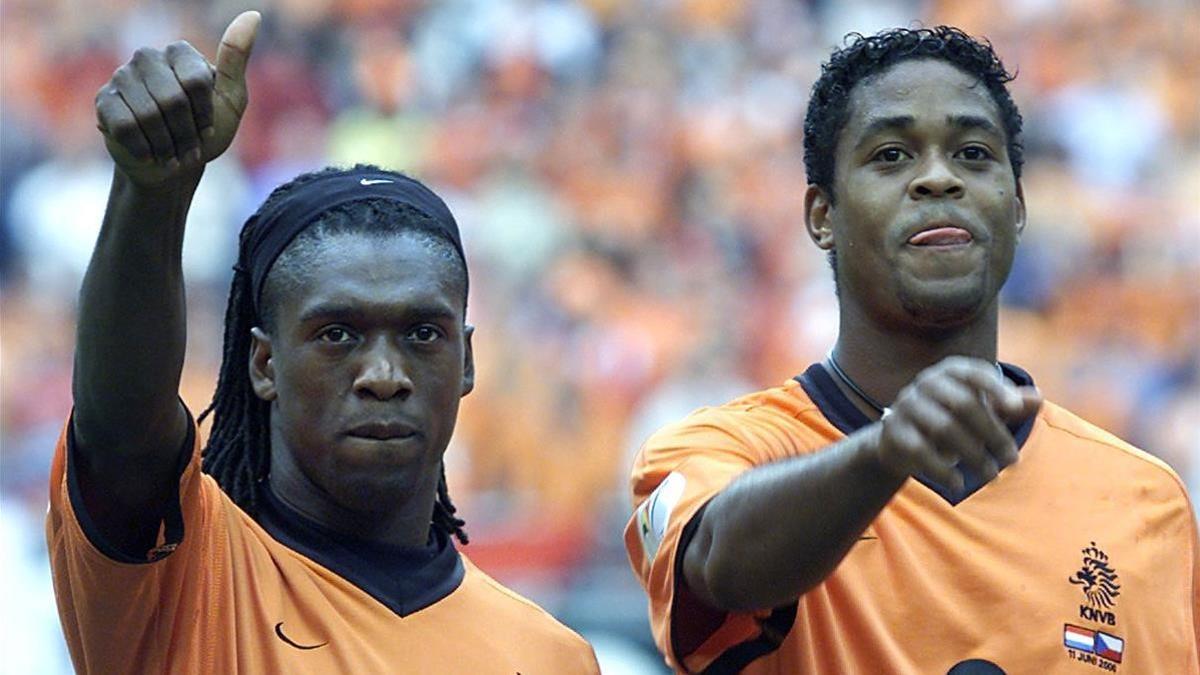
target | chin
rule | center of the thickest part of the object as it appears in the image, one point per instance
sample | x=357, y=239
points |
x=946, y=305
x=372, y=493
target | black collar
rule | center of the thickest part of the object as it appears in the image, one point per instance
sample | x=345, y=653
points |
x=406, y=580
x=843, y=414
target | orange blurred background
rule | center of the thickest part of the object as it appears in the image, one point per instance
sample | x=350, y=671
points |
x=628, y=176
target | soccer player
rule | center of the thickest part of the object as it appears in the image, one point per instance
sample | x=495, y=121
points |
x=318, y=537
x=911, y=505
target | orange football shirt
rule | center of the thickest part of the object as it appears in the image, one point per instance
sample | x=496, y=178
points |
x=230, y=598
x=1080, y=558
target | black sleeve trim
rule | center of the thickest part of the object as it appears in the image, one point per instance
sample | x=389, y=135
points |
x=172, y=519
x=692, y=620
x=774, y=628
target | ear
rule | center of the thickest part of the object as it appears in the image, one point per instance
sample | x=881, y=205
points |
x=468, y=381
x=817, y=207
x=1020, y=197
x=262, y=369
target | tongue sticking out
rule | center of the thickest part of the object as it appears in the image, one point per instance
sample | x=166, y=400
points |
x=941, y=236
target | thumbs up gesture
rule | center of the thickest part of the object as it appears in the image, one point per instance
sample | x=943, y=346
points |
x=165, y=114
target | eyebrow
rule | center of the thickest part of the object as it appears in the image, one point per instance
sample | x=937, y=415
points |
x=905, y=122
x=974, y=122
x=338, y=310
x=892, y=123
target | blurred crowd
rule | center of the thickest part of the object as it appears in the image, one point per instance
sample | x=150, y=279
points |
x=629, y=179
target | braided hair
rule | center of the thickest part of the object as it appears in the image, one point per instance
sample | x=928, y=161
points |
x=238, y=452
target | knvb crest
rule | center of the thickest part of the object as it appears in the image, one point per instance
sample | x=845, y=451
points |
x=1100, y=585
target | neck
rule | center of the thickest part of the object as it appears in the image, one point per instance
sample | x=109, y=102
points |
x=881, y=360
x=403, y=524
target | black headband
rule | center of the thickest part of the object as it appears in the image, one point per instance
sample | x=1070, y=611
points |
x=277, y=226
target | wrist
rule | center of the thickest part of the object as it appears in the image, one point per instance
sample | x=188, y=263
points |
x=874, y=455
x=148, y=187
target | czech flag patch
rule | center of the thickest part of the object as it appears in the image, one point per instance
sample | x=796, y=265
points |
x=1109, y=647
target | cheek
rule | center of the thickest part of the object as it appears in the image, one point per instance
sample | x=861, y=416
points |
x=442, y=384
x=306, y=389
x=1004, y=199
x=863, y=227
x=445, y=387
x=1005, y=215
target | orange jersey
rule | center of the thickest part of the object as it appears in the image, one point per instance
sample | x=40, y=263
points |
x=231, y=598
x=1080, y=558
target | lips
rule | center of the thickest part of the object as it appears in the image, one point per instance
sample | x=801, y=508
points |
x=941, y=236
x=383, y=431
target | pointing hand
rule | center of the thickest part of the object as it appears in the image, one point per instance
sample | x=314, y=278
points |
x=952, y=416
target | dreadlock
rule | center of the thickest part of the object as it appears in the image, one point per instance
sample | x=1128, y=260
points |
x=238, y=451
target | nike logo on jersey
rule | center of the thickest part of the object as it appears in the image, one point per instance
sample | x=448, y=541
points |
x=297, y=645
x=373, y=181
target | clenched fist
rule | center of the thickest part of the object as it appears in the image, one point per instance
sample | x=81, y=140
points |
x=953, y=415
x=164, y=114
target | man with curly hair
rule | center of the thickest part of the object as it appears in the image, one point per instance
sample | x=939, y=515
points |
x=911, y=504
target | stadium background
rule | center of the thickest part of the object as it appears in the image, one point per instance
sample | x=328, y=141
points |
x=629, y=180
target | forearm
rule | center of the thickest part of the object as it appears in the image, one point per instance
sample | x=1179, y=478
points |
x=780, y=529
x=131, y=330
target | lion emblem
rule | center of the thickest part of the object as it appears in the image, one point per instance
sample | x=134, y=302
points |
x=1098, y=579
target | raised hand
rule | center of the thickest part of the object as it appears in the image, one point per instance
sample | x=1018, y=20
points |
x=954, y=412
x=165, y=114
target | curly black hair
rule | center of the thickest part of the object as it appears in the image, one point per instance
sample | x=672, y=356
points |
x=238, y=452
x=864, y=57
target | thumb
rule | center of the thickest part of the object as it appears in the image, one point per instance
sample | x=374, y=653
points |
x=1026, y=403
x=232, y=55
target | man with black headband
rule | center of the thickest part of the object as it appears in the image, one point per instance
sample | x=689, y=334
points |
x=910, y=505
x=319, y=537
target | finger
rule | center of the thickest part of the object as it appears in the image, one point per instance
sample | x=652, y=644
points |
x=195, y=77
x=998, y=439
x=940, y=415
x=1013, y=404
x=951, y=478
x=984, y=377
x=918, y=456
x=1030, y=403
x=116, y=121
x=172, y=101
x=232, y=55
x=146, y=112
x=971, y=409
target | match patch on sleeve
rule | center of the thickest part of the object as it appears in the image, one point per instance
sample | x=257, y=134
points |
x=655, y=513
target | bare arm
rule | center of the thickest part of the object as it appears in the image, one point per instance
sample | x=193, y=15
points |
x=164, y=115
x=780, y=529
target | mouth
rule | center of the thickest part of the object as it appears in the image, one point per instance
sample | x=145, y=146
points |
x=942, y=236
x=383, y=431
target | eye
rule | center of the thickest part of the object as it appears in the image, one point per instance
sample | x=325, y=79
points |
x=335, y=335
x=424, y=333
x=889, y=155
x=975, y=153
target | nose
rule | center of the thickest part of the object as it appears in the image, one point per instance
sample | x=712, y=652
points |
x=936, y=179
x=382, y=374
